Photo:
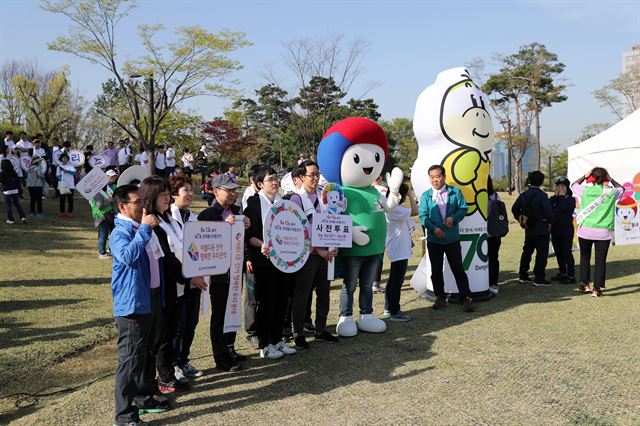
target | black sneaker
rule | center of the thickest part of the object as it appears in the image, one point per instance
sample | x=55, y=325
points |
x=467, y=304
x=309, y=327
x=524, y=279
x=236, y=356
x=171, y=386
x=569, y=280
x=227, y=364
x=137, y=422
x=325, y=336
x=287, y=334
x=542, y=283
x=440, y=303
x=155, y=404
x=301, y=343
x=559, y=277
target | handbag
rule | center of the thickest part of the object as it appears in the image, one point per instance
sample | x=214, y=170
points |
x=63, y=188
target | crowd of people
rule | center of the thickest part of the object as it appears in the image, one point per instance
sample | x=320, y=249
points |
x=156, y=308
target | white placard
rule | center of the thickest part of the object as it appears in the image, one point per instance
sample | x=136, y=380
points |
x=287, y=236
x=15, y=162
x=331, y=230
x=206, y=248
x=92, y=183
x=56, y=156
x=233, y=314
x=25, y=162
x=98, y=160
x=76, y=158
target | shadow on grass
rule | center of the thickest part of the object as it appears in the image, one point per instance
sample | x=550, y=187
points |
x=325, y=368
x=54, y=282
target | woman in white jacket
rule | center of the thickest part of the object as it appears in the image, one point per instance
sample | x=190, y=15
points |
x=189, y=301
x=399, y=245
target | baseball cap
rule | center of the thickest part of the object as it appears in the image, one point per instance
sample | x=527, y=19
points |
x=224, y=181
x=111, y=173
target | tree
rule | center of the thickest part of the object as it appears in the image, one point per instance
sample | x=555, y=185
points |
x=10, y=107
x=536, y=67
x=195, y=64
x=557, y=160
x=364, y=108
x=621, y=94
x=403, y=147
x=49, y=104
x=224, y=138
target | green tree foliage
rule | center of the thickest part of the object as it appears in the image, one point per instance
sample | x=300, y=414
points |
x=49, y=105
x=403, y=147
x=621, y=94
x=196, y=63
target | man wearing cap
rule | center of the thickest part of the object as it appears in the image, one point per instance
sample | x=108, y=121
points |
x=103, y=213
x=563, y=205
x=222, y=208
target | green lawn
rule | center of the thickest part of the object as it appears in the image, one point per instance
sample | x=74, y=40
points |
x=530, y=356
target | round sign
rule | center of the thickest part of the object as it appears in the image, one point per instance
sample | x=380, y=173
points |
x=25, y=162
x=98, y=160
x=56, y=157
x=287, y=235
x=15, y=162
x=76, y=158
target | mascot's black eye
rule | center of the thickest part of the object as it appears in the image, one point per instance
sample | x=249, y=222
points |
x=356, y=158
x=377, y=157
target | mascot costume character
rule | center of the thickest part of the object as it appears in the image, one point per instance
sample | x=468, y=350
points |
x=352, y=154
x=453, y=128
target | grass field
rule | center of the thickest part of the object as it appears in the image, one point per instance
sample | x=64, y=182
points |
x=530, y=356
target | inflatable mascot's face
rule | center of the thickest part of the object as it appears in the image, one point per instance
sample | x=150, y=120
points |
x=352, y=152
x=626, y=210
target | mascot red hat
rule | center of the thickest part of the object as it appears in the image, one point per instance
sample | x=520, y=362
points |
x=628, y=202
x=342, y=135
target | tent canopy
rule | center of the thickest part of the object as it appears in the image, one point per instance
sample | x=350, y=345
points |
x=617, y=149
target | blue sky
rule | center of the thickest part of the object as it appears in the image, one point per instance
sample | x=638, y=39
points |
x=410, y=42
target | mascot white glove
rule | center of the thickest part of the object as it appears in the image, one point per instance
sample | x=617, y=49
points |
x=359, y=236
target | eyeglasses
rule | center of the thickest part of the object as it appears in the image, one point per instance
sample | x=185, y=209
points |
x=273, y=179
x=137, y=202
x=313, y=175
x=230, y=191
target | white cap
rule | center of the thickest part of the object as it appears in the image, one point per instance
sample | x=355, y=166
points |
x=111, y=173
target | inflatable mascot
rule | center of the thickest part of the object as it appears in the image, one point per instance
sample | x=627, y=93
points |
x=453, y=128
x=352, y=153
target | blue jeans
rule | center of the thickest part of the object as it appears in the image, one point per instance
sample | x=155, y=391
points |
x=15, y=200
x=103, y=234
x=356, y=268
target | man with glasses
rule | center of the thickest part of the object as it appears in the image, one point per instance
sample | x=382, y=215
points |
x=222, y=208
x=314, y=272
x=132, y=300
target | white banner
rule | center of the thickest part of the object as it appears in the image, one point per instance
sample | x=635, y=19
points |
x=627, y=222
x=331, y=230
x=233, y=314
x=92, y=183
x=453, y=128
x=206, y=248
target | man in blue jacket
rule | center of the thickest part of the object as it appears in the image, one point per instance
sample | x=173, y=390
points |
x=442, y=207
x=134, y=304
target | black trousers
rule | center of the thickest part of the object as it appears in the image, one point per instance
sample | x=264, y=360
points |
x=493, y=247
x=188, y=314
x=539, y=243
x=166, y=334
x=600, y=270
x=562, y=245
x=69, y=199
x=272, y=289
x=454, y=257
x=35, y=199
x=155, y=335
x=134, y=334
x=392, y=292
x=220, y=341
x=312, y=274
x=250, y=306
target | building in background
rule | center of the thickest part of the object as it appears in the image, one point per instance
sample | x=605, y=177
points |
x=631, y=61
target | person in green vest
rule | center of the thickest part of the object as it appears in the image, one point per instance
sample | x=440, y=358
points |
x=103, y=214
x=352, y=153
x=598, y=193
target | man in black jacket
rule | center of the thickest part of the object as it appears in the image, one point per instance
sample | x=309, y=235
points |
x=222, y=208
x=535, y=204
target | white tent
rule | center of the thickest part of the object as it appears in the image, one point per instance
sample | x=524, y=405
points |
x=617, y=149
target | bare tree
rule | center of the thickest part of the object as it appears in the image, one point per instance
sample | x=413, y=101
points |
x=621, y=94
x=10, y=109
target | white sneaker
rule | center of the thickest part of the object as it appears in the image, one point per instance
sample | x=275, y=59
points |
x=494, y=290
x=10, y=222
x=104, y=256
x=270, y=352
x=179, y=375
x=190, y=370
x=282, y=347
